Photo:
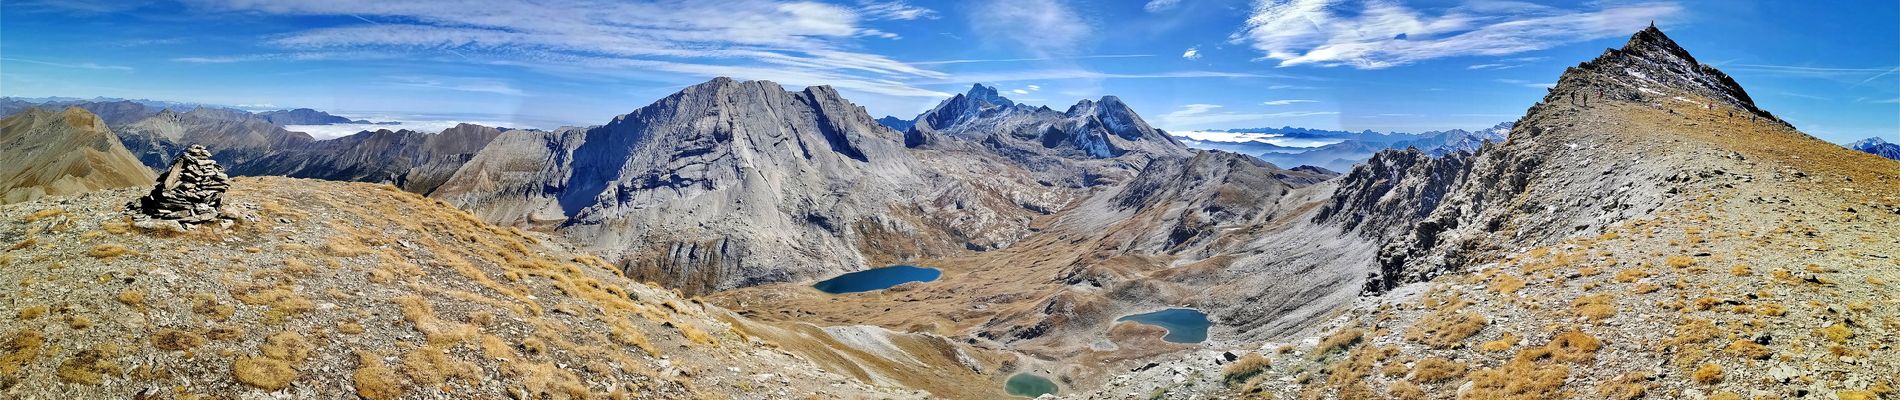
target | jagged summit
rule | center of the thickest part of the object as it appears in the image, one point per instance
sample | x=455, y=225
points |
x=1652, y=68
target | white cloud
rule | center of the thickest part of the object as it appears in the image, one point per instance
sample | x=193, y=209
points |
x=1373, y=34
x=799, y=42
x=1236, y=137
x=473, y=85
x=1198, y=116
x=997, y=60
x=1034, y=87
x=1528, y=84
x=894, y=10
x=1019, y=91
x=1160, y=5
x=1041, y=27
x=1192, y=53
x=1286, y=102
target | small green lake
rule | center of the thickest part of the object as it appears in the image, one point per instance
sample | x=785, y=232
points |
x=1029, y=385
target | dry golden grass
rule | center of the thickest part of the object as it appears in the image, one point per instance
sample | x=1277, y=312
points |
x=107, y=251
x=132, y=297
x=31, y=312
x=1503, y=343
x=1341, y=340
x=430, y=367
x=1628, y=386
x=19, y=349
x=36, y=216
x=1837, y=333
x=263, y=372
x=91, y=366
x=1506, y=284
x=349, y=328
x=1595, y=307
x=176, y=340
x=1248, y=366
x=1707, y=374
x=1748, y=349
x=374, y=380
x=1405, y=390
x=1434, y=369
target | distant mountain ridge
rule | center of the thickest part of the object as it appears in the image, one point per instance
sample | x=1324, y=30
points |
x=1352, y=147
x=305, y=116
x=1878, y=147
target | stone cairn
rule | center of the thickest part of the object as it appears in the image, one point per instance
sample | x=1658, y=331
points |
x=190, y=192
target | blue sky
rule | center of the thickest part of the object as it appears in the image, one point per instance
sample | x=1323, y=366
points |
x=1406, y=65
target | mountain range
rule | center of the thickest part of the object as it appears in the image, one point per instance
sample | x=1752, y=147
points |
x=1877, y=147
x=1667, y=239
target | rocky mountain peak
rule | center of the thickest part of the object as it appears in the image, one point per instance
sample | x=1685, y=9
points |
x=1652, y=67
x=988, y=94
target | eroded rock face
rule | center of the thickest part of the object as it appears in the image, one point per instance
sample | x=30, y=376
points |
x=190, y=192
x=734, y=183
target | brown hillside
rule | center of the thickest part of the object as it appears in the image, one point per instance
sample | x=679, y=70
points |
x=68, y=152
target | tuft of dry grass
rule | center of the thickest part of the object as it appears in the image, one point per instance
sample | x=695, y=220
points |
x=1595, y=307
x=263, y=372
x=176, y=340
x=36, y=216
x=1434, y=369
x=1628, y=386
x=1245, y=368
x=1748, y=349
x=31, y=312
x=374, y=380
x=1679, y=261
x=132, y=297
x=1341, y=340
x=16, y=352
x=1707, y=374
x=107, y=251
x=1837, y=333
x=91, y=366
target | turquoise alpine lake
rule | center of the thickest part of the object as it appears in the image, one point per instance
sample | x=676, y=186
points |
x=1185, y=325
x=1029, y=385
x=877, y=279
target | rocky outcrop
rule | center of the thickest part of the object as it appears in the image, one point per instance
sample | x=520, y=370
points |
x=190, y=192
x=414, y=161
x=1093, y=143
x=46, y=153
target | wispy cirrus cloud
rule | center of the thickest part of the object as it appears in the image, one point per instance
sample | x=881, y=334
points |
x=1192, y=53
x=78, y=65
x=796, y=42
x=1287, y=102
x=1201, y=116
x=1528, y=84
x=894, y=10
x=1160, y=5
x=1375, y=34
x=472, y=85
x=1041, y=27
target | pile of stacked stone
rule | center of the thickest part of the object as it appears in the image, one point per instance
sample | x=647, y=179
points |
x=190, y=192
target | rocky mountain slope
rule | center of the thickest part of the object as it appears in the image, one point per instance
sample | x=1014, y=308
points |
x=414, y=161
x=1877, y=147
x=317, y=293
x=62, y=153
x=731, y=183
x=235, y=137
x=1639, y=245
